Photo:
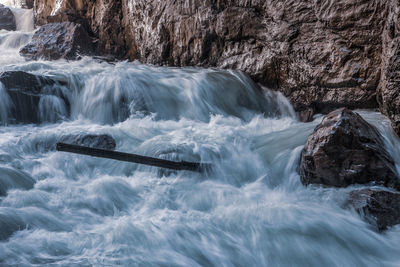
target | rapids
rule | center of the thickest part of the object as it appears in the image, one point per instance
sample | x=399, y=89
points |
x=250, y=210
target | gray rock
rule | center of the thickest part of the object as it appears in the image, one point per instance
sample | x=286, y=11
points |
x=343, y=150
x=66, y=40
x=14, y=179
x=27, y=93
x=7, y=19
x=378, y=207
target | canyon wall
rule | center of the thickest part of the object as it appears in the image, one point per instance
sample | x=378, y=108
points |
x=322, y=54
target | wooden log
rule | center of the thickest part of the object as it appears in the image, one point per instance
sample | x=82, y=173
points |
x=121, y=156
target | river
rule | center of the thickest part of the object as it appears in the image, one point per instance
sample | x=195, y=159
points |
x=249, y=210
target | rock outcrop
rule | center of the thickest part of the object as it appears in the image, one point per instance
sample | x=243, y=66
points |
x=343, y=150
x=66, y=40
x=34, y=98
x=380, y=208
x=7, y=19
x=321, y=54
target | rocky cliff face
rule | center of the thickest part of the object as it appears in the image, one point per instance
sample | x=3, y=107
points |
x=320, y=54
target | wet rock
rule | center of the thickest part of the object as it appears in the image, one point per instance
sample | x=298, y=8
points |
x=10, y=224
x=343, y=150
x=7, y=19
x=34, y=98
x=320, y=58
x=66, y=40
x=28, y=4
x=102, y=141
x=14, y=179
x=378, y=207
x=388, y=94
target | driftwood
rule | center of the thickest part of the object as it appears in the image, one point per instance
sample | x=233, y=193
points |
x=109, y=154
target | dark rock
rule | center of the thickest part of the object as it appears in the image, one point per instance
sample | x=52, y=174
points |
x=66, y=40
x=102, y=141
x=13, y=179
x=343, y=150
x=29, y=95
x=388, y=90
x=7, y=19
x=378, y=207
x=28, y=4
x=321, y=54
x=10, y=224
x=320, y=58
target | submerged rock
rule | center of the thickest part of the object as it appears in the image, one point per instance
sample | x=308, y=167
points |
x=34, y=98
x=102, y=141
x=378, y=207
x=7, y=19
x=66, y=40
x=343, y=150
x=13, y=179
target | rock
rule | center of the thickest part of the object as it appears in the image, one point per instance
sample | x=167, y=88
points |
x=34, y=98
x=102, y=141
x=378, y=207
x=389, y=97
x=343, y=150
x=28, y=4
x=66, y=40
x=10, y=223
x=320, y=58
x=102, y=19
x=7, y=19
x=14, y=179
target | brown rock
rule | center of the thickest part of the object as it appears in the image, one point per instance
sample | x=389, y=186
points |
x=321, y=54
x=59, y=40
x=7, y=19
x=388, y=90
x=343, y=150
x=378, y=207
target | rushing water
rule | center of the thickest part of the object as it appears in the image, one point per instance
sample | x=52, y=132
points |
x=250, y=210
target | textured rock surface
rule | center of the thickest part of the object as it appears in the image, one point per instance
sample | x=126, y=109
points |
x=7, y=19
x=59, y=40
x=388, y=90
x=378, y=207
x=102, y=141
x=100, y=18
x=26, y=92
x=343, y=150
x=320, y=54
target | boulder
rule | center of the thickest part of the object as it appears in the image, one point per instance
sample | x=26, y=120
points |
x=380, y=208
x=343, y=150
x=34, y=98
x=102, y=141
x=52, y=41
x=14, y=179
x=7, y=19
